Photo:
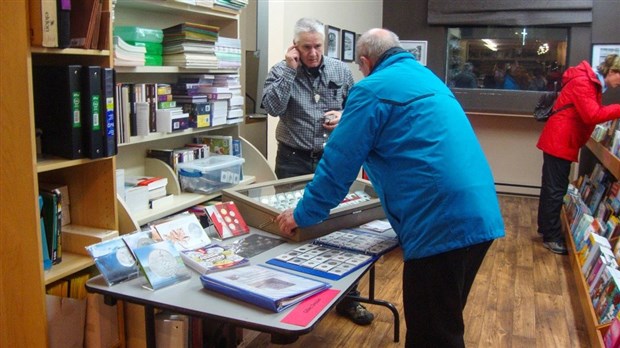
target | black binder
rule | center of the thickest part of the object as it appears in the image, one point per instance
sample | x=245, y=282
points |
x=107, y=112
x=57, y=109
x=91, y=111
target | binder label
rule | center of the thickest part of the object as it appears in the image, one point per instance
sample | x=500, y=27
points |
x=76, y=109
x=95, y=107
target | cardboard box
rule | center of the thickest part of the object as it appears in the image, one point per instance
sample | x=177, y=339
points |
x=76, y=238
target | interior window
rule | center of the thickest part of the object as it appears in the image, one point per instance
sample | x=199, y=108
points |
x=510, y=58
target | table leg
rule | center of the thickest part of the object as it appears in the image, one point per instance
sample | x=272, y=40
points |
x=149, y=323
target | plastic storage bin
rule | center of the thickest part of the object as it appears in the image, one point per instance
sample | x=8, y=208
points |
x=210, y=174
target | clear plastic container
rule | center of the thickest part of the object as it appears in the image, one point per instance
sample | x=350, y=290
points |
x=210, y=174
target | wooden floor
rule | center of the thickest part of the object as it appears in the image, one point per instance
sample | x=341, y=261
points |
x=523, y=296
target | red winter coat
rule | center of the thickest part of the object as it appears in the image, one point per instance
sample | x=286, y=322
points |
x=568, y=130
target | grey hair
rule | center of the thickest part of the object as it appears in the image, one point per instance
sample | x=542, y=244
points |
x=308, y=25
x=374, y=43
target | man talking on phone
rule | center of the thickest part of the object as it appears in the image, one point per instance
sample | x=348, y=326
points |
x=307, y=90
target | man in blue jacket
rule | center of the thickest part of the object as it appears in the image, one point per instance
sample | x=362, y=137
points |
x=420, y=152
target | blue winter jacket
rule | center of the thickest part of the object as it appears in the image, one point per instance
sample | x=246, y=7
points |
x=420, y=152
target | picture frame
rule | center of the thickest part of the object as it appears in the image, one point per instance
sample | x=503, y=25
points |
x=332, y=42
x=599, y=52
x=348, y=46
x=417, y=48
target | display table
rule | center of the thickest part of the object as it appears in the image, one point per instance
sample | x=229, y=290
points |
x=189, y=298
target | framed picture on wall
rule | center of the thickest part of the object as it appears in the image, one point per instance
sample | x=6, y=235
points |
x=599, y=52
x=332, y=42
x=348, y=46
x=417, y=48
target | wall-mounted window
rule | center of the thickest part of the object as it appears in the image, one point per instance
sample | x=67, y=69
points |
x=508, y=58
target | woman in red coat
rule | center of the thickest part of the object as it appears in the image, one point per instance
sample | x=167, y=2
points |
x=566, y=132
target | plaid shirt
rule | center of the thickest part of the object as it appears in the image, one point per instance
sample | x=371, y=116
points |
x=291, y=95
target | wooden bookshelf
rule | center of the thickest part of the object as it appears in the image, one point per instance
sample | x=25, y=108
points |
x=594, y=329
x=607, y=159
x=91, y=184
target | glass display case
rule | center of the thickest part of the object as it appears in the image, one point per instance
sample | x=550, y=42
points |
x=261, y=203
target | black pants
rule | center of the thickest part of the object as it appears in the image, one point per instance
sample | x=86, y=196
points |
x=435, y=291
x=555, y=173
x=292, y=162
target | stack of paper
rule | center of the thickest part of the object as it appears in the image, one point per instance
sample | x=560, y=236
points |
x=190, y=45
x=128, y=55
x=228, y=52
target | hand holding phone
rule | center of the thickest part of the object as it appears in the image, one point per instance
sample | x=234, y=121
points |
x=292, y=57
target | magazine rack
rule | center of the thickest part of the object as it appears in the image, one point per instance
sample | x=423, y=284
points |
x=254, y=204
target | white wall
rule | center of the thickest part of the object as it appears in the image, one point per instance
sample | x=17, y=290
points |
x=353, y=15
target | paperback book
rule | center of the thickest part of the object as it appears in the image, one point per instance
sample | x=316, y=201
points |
x=262, y=286
x=162, y=265
x=213, y=258
x=114, y=261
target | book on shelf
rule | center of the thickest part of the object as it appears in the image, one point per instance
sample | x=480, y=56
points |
x=227, y=220
x=150, y=182
x=218, y=144
x=606, y=258
x=57, y=94
x=108, y=116
x=611, y=339
x=47, y=262
x=161, y=264
x=43, y=23
x=160, y=202
x=52, y=219
x=85, y=21
x=263, y=286
x=183, y=230
x=63, y=15
x=114, y=260
x=609, y=302
x=213, y=258
x=136, y=198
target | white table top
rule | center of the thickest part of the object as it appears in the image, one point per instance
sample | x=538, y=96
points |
x=189, y=297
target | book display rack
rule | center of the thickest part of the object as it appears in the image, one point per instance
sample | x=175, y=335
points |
x=595, y=330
